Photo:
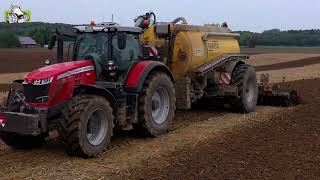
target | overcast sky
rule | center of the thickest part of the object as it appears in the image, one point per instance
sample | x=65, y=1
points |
x=253, y=15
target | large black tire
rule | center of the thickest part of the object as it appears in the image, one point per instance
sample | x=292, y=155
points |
x=87, y=126
x=157, y=105
x=22, y=142
x=244, y=77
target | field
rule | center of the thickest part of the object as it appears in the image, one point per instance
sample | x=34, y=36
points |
x=281, y=50
x=272, y=143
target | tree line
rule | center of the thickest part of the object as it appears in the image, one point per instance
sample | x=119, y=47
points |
x=41, y=32
x=38, y=31
x=276, y=37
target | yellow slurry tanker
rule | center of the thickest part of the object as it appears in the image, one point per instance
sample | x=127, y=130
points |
x=205, y=62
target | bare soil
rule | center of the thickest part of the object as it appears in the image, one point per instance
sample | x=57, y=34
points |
x=293, y=74
x=284, y=147
x=271, y=143
x=268, y=59
x=290, y=64
x=23, y=60
x=272, y=50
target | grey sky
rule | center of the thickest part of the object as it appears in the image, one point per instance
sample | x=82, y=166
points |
x=254, y=15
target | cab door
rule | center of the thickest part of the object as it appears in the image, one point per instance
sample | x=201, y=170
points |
x=125, y=58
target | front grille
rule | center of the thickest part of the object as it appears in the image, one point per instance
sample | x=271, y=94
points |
x=36, y=94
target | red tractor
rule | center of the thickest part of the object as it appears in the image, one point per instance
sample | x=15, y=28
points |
x=107, y=86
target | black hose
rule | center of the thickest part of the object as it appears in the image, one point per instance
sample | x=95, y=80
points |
x=154, y=17
x=184, y=21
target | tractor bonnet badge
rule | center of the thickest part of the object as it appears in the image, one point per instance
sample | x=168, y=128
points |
x=17, y=15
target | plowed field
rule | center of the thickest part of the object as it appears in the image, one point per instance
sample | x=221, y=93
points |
x=272, y=143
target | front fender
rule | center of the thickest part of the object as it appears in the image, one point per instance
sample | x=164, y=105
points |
x=140, y=72
x=96, y=90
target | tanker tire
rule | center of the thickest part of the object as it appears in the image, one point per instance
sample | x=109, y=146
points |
x=74, y=126
x=244, y=77
x=157, y=85
x=22, y=142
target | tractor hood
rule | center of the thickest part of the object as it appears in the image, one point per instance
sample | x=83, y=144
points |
x=60, y=70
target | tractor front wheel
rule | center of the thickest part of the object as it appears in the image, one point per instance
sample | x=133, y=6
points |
x=86, y=128
x=157, y=105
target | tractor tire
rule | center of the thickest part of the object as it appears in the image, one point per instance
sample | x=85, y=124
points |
x=244, y=77
x=87, y=126
x=157, y=105
x=22, y=142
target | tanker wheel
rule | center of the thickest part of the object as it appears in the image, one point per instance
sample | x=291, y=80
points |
x=244, y=77
x=22, y=142
x=156, y=105
x=86, y=128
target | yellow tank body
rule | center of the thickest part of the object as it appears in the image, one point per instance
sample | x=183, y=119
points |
x=193, y=45
x=193, y=49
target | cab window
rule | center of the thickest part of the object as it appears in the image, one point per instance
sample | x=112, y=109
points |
x=125, y=57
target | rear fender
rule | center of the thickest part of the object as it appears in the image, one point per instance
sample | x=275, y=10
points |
x=140, y=71
x=229, y=67
x=96, y=90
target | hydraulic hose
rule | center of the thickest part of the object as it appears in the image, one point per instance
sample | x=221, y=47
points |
x=184, y=21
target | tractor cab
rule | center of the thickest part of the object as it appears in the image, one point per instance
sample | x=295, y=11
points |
x=112, y=48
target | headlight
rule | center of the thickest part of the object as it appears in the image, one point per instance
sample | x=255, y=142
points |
x=110, y=63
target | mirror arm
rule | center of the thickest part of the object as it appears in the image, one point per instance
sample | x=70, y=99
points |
x=60, y=48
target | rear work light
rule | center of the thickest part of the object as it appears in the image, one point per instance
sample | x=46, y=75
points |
x=3, y=120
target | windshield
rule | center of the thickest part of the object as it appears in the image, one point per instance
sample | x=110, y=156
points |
x=89, y=44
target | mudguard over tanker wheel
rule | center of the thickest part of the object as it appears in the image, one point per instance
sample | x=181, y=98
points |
x=86, y=128
x=157, y=105
x=22, y=142
x=244, y=77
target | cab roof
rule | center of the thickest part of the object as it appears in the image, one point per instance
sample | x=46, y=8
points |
x=107, y=27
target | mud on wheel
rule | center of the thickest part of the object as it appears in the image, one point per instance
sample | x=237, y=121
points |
x=157, y=104
x=244, y=77
x=86, y=128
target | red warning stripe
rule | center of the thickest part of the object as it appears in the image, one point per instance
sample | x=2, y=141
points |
x=225, y=78
x=153, y=51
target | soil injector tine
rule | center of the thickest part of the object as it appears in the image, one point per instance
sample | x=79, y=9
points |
x=276, y=95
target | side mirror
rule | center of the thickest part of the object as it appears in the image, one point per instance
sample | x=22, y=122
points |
x=122, y=41
x=52, y=41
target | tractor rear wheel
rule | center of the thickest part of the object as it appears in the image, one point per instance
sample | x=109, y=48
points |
x=22, y=142
x=157, y=105
x=244, y=77
x=86, y=128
